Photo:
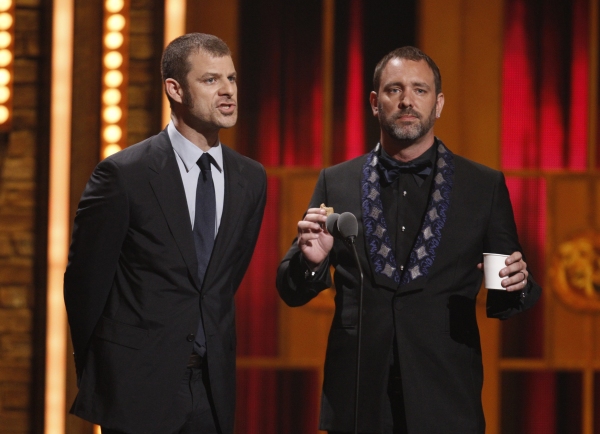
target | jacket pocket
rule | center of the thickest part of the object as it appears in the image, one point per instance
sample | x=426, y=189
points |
x=121, y=333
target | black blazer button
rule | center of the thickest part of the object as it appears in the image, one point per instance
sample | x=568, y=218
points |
x=190, y=337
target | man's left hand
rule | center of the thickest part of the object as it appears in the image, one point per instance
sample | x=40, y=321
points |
x=515, y=273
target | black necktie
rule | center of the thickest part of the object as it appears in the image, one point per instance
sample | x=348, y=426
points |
x=391, y=169
x=204, y=230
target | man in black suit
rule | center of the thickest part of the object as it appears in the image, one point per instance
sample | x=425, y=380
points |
x=162, y=238
x=425, y=217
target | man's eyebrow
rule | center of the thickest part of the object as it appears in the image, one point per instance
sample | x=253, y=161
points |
x=420, y=84
x=392, y=84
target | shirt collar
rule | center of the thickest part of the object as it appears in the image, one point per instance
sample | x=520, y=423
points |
x=190, y=153
x=428, y=155
x=427, y=158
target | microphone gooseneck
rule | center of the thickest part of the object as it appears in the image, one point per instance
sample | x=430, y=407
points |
x=347, y=228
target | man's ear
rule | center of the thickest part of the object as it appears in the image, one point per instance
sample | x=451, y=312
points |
x=373, y=100
x=439, y=105
x=174, y=90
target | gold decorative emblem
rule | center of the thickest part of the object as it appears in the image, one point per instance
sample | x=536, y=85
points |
x=575, y=272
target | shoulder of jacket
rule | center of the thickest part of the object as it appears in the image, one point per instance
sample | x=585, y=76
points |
x=463, y=164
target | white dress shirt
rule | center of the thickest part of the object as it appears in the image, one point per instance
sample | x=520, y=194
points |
x=187, y=154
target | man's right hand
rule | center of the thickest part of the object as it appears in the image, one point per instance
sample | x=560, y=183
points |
x=313, y=239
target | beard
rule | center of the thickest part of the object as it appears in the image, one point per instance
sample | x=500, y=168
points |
x=411, y=131
x=186, y=97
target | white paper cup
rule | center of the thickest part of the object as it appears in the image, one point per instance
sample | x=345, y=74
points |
x=492, y=264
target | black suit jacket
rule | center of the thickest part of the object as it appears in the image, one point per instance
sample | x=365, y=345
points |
x=131, y=289
x=433, y=316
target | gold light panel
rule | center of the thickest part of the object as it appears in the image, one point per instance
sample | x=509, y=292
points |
x=7, y=20
x=115, y=55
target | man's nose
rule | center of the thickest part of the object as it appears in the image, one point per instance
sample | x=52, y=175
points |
x=228, y=88
x=405, y=100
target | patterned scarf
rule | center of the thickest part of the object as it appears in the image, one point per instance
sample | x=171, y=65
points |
x=378, y=239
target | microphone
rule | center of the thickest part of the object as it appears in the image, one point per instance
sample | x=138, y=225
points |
x=331, y=224
x=347, y=225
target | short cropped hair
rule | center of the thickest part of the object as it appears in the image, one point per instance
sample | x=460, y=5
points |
x=408, y=53
x=175, y=59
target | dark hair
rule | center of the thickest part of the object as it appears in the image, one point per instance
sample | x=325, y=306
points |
x=175, y=59
x=408, y=53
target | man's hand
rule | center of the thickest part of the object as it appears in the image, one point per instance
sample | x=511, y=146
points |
x=313, y=239
x=515, y=272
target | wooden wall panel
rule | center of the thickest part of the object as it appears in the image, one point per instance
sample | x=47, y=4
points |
x=569, y=206
x=296, y=189
x=304, y=330
x=595, y=347
x=570, y=335
x=568, y=329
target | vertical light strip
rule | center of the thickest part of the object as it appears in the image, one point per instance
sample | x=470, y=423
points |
x=58, y=214
x=115, y=77
x=7, y=36
x=594, y=93
x=328, y=71
x=174, y=27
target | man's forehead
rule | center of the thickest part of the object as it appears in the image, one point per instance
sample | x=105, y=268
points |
x=207, y=61
x=407, y=69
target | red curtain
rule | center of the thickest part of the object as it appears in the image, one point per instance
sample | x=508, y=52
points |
x=257, y=300
x=281, y=93
x=545, y=85
x=284, y=397
x=545, y=127
x=280, y=125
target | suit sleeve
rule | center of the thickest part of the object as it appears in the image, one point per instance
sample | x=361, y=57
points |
x=100, y=227
x=501, y=237
x=296, y=286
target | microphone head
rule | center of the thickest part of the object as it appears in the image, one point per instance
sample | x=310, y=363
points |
x=331, y=224
x=347, y=225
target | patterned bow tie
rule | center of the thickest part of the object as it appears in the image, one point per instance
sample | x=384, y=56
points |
x=391, y=169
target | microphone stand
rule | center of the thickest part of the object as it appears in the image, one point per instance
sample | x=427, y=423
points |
x=350, y=243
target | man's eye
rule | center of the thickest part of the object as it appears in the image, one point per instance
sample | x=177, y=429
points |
x=210, y=80
x=232, y=79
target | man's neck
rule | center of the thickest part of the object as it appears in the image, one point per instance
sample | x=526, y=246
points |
x=407, y=150
x=202, y=139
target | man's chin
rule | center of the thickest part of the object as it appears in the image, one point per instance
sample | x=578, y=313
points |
x=228, y=121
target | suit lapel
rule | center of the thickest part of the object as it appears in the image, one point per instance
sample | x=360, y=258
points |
x=234, y=201
x=168, y=189
x=379, y=248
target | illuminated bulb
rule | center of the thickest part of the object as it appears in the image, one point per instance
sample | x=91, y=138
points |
x=5, y=5
x=5, y=57
x=113, y=148
x=113, y=60
x=112, y=114
x=111, y=97
x=4, y=94
x=3, y=114
x=112, y=133
x=5, y=39
x=4, y=77
x=6, y=21
x=114, y=6
x=113, y=40
x=115, y=23
x=113, y=78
